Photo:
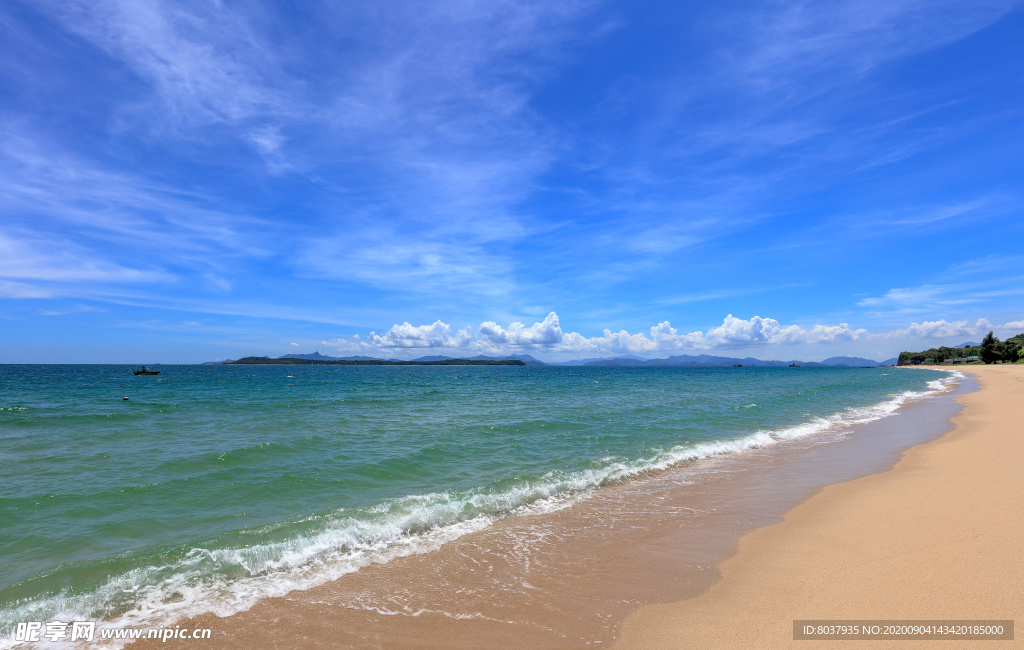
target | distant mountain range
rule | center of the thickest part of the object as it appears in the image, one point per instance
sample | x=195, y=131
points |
x=293, y=361
x=584, y=362
x=316, y=356
x=627, y=360
x=709, y=360
x=525, y=358
x=856, y=361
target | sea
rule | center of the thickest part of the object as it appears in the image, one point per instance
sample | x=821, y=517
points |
x=140, y=500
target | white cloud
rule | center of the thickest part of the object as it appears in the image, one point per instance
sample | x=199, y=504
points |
x=30, y=258
x=203, y=60
x=77, y=309
x=437, y=335
x=1000, y=285
x=832, y=333
x=662, y=338
x=409, y=262
x=925, y=294
x=735, y=332
x=821, y=36
x=22, y=290
x=48, y=188
x=547, y=337
x=545, y=333
x=939, y=329
x=267, y=139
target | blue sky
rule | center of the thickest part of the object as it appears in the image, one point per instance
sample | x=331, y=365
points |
x=189, y=181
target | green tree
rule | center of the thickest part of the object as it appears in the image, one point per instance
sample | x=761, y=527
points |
x=944, y=354
x=990, y=352
x=1015, y=345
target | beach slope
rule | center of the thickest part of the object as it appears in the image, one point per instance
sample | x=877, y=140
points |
x=937, y=537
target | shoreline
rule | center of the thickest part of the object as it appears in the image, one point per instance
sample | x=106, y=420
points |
x=569, y=578
x=937, y=537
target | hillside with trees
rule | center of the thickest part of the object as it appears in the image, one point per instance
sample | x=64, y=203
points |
x=991, y=350
x=293, y=361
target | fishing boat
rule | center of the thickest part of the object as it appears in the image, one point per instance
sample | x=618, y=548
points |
x=143, y=370
x=737, y=365
x=793, y=365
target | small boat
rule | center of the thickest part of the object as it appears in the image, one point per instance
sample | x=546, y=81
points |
x=143, y=370
x=793, y=365
x=737, y=365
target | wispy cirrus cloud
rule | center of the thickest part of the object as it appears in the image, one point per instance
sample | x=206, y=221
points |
x=51, y=188
x=339, y=163
x=205, y=62
x=10, y=289
x=912, y=297
x=26, y=257
x=935, y=297
x=419, y=140
x=409, y=264
x=814, y=37
x=73, y=221
x=785, y=72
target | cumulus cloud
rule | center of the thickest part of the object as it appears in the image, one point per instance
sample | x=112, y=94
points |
x=736, y=331
x=662, y=338
x=437, y=335
x=732, y=333
x=831, y=333
x=545, y=333
x=940, y=328
x=547, y=336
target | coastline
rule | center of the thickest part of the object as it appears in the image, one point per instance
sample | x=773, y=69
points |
x=571, y=577
x=935, y=538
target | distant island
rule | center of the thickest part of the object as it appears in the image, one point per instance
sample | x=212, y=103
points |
x=295, y=361
x=990, y=350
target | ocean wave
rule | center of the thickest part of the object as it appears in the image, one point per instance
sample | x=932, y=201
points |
x=225, y=581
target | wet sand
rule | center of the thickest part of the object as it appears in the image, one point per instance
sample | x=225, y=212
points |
x=568, y=579
x=938, y=537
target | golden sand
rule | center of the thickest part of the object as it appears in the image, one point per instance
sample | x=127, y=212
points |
x=940, y=536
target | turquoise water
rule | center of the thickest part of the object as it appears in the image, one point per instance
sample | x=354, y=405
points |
x=215, y=486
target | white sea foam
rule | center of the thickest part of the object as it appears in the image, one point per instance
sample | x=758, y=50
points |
x=202, y=582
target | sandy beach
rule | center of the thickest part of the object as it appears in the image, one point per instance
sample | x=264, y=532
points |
x=937, y=537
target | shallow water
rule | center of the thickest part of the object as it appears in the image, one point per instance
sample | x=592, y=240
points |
x=215, y=486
